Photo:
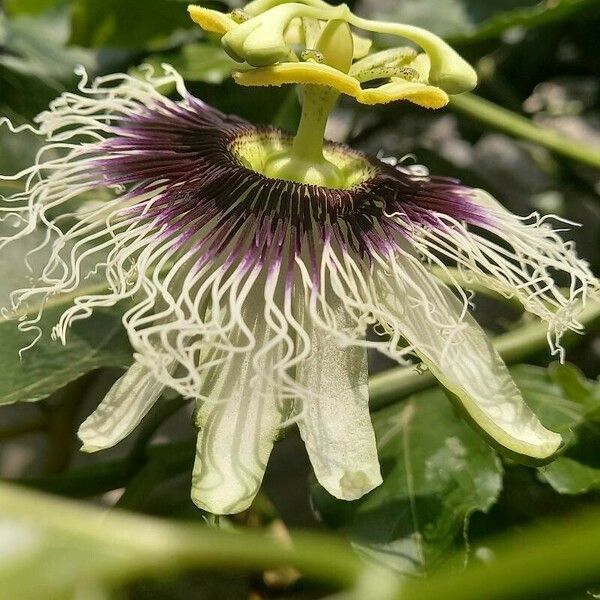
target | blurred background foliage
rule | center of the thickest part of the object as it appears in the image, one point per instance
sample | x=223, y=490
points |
x=534, y=142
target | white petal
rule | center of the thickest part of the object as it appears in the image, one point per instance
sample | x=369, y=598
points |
x=125, y=405
x=335, y=423
x=237, y=429
x=462, y=358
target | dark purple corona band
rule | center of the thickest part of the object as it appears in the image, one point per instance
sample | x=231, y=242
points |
x=207, y=199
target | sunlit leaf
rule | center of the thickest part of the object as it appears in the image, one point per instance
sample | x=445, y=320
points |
x=436, y=472
x=565, y=397
x=18, y=7
x=35, y=65
x=558, y=410
x=569, y=476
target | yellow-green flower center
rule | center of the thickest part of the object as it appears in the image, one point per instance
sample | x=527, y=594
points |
x=256, y=152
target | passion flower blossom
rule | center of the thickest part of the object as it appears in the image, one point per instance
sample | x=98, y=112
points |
x=253, y=294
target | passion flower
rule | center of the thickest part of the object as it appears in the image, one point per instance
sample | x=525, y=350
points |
x=254, y=261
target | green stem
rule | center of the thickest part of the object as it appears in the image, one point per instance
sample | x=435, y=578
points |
x=304, y=161
x=387, y=387
x=505, y=120
x=128, y=547
x=133, y=547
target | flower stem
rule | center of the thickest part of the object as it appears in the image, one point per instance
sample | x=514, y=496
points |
x=127, y=547
x=505, y=120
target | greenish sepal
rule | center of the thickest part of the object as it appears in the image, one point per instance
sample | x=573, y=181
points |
x=504, y=446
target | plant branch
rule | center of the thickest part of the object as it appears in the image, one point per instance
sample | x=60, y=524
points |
x=132, y=547
x=128, y=547
x=514, y=124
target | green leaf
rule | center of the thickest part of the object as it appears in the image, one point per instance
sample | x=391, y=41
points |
x=21, y=7
x=34, y=64
x=574, y=385
x=437, y=472
x=99, y=341
x=556, y=409
x=18, y=152
x=36, y=48
x=569, y=476
x=127, y=23
x=200, y=61
x=530, y=15
x=567, y=402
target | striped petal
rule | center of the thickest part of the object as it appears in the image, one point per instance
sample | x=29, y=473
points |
x=122, y=409
x=334, y=416
x=461, y=356
x=237, y=428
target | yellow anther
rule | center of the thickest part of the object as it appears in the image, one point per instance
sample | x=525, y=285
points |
x=393, y=57
x=319, y=74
